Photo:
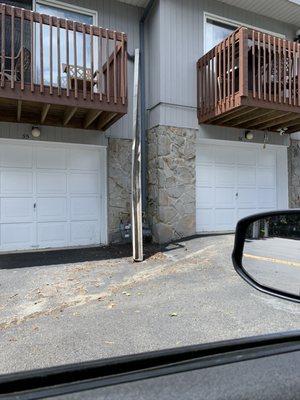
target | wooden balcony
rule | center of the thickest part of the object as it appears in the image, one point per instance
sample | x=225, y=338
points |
x=251, y=80
x=60, y=72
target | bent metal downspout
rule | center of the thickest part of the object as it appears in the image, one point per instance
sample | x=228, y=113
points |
x=143, y=102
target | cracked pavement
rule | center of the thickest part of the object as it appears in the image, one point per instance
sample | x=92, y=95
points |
x=186, y=294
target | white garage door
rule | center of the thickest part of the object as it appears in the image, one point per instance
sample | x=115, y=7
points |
x=52, y=195
x=236, y=180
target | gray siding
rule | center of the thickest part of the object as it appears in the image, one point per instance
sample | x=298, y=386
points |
x=181, y=44
x=52, y=134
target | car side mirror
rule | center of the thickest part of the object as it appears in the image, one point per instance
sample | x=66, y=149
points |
x=267, y=252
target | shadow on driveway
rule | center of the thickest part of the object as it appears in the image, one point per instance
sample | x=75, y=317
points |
x=67, y=256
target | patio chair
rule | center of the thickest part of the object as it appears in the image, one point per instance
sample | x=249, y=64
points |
x=16, y=73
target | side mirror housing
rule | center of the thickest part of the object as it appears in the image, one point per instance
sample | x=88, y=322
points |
x=267, y=253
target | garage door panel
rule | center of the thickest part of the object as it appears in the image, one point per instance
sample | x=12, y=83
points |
x=83, y=183
x=16, y=182
x=51, y=209
x=245, y=212
x=266, y=177
x=84, y=208
x=51, y=183
x=225, y=175
x=17, y=209
x=205, y=175
x=225, y=197
x=204, y=218
x=224, y=219
x=246, y=156
x=84, y=233
x=266, y=158
x=205, y=197
x=51, y=158
x=244, y=182
x=246, y=176
x=84, y=160
x=267, y=198
x=204, y=154
x=224, y=155
x=247, y=197
x=14, y=155
x=17, y=236
x=52, y=234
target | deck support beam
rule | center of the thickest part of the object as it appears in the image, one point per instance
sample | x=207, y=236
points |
x=19, y=110
x=91, y=116
x=104, y=119
x=68, y=115
x=45, y=111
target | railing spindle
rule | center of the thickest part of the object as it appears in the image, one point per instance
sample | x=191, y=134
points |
x=298, y=72
x=253, y=65
x=279, y=71
x=233, y=70
x=122, y=70
x=12, y=48
x=259, y=66
x=208, y=82
x=294, y=66
x=289, y=72
x=264, y=66
x=224, y=71
x=32, y=78
x=284, y=71
x=213, y=100
x=100, y=65
x=275, y=68
x=115, y=68
x=2, y=44
x=51, y=54
x=58, y=59
x=228, y=69
x=84, y=60
x=41, y=56
x=92, y=62
x=270, y=68
x=215, y=76
x=107, y=68
x=75, y=60
x=67, y=59
x=22, y=49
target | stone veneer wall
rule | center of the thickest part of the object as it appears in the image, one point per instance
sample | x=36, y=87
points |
x=119, y=185
x=294, y=173
x=171, y=182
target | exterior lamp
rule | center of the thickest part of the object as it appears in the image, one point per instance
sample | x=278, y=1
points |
x=35, y=132
x=249, y=135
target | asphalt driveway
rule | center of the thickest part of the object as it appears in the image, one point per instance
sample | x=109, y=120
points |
x=184, y=294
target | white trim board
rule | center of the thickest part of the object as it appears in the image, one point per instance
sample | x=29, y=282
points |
x=225, y=20
x=69, y=7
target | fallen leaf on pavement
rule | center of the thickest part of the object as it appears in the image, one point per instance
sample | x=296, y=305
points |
x=173, y=314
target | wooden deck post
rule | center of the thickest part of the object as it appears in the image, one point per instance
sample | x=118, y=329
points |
x=243, y=55
x=137, y=224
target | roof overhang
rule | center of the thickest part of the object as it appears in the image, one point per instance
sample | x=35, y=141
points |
x=283, y=10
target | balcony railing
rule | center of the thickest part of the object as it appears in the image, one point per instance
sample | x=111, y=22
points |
x=251, y=80
x=55, y=71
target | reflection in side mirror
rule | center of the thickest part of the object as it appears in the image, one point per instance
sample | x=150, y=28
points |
x=267, y=252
